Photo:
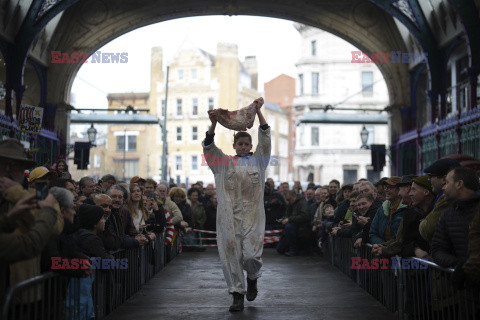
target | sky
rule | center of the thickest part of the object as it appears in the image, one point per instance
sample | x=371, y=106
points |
x=275, y=43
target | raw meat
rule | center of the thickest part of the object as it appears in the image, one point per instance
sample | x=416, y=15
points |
x=239, y=120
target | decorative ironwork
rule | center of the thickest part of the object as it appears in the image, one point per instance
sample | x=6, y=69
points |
x=448, y=143
x=429, y=151
x=470, y=140
x=404, y=7
x=46, y=5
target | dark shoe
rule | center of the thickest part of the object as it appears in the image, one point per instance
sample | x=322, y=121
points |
x=237, y=304
x=291, y=253
x=251, y=289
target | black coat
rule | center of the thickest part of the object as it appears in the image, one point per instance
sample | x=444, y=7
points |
x=211, y=213
x=450, y=240
x=275, y=207
x=91, y=244
x=65, y=247
x=186, y=212
x=411, y=237
x=341, y=211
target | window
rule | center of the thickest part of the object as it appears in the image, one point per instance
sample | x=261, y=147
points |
x=302, y=135
x=195, y=107
x=194, y=133
x=178, y=163
x=120, y=143
x=210, y=103
x=180, y=74
x=315, y=136
x=131, y=144
x=130, y=166
x=367, y=82
x=194, y=73
x=314, y=83
x=448, y=95
x=373, y=176
x=314, y=48
x=96, y=161
x=179, y=133
x=194, y=163
x=462, y=84
x=300, y=80
x=179, y=107
x=350, y=175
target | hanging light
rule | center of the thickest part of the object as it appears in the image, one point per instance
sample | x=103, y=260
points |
x=364, y=136
x=92, y=134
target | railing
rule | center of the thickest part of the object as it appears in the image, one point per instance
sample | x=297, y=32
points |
x=54, y=296
x=419, y=290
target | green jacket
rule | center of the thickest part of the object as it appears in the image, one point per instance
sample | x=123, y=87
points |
x=199, y=217
x=429, y=224
x=394, y=246
x=298, y=213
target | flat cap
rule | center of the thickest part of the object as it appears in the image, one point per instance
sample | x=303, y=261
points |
x=441, y=167
x=393, y=181
x=406, y=180
x=424, y=182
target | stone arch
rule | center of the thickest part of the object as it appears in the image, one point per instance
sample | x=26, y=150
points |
x=92, y=24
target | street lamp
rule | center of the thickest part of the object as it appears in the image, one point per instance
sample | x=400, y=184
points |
x=92, y=134
x=364, y=137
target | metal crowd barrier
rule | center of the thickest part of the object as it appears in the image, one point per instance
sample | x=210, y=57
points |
x=422, y=291
x=54, y=296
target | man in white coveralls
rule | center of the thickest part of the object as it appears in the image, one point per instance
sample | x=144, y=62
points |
x=240, y=182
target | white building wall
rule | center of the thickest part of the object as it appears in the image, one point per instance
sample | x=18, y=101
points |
x=340, y=85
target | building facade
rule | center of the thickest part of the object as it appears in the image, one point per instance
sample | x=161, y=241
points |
x=334, y=99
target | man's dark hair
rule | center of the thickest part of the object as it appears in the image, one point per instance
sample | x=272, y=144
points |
x=152, y=182
x=241, y=134
x=57, y=182
x=109, y=177
x=84, y=180
x=380, y=182
x=292, y=193
x=336, y=182
x=468, y=176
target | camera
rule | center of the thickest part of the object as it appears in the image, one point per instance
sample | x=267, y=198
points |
x=41, y=190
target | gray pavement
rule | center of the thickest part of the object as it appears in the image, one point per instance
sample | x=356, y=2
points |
x=303, y=287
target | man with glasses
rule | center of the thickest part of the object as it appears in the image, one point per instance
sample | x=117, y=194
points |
x=387, y=219
x=437, y=173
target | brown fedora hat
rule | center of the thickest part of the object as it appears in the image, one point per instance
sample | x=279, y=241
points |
x=14, y=150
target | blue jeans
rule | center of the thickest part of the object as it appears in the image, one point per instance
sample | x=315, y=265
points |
x=289, y=240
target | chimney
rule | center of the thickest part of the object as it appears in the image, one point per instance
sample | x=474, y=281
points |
x=252, y=68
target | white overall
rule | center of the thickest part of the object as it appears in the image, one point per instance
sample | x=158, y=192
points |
x=241, y=214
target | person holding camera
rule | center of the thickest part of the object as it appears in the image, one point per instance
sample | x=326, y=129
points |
x=138, y=212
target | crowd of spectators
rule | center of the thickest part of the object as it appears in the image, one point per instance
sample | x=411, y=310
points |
x=434, y=216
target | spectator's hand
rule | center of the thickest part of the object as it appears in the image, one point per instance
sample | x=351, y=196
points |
x=363, y=220
x=314, y=228
x=6, y=183
x=358, y=243
x=48, y=202
x=285, y=221
x=97, y=189
x=346, y=225
x=419, y=253
x=23, y=206
x=141, y=239
x=377, y=250
x=152, y=236
x=183, y=224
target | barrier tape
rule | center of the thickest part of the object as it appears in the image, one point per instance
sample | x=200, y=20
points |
x=214, y=232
